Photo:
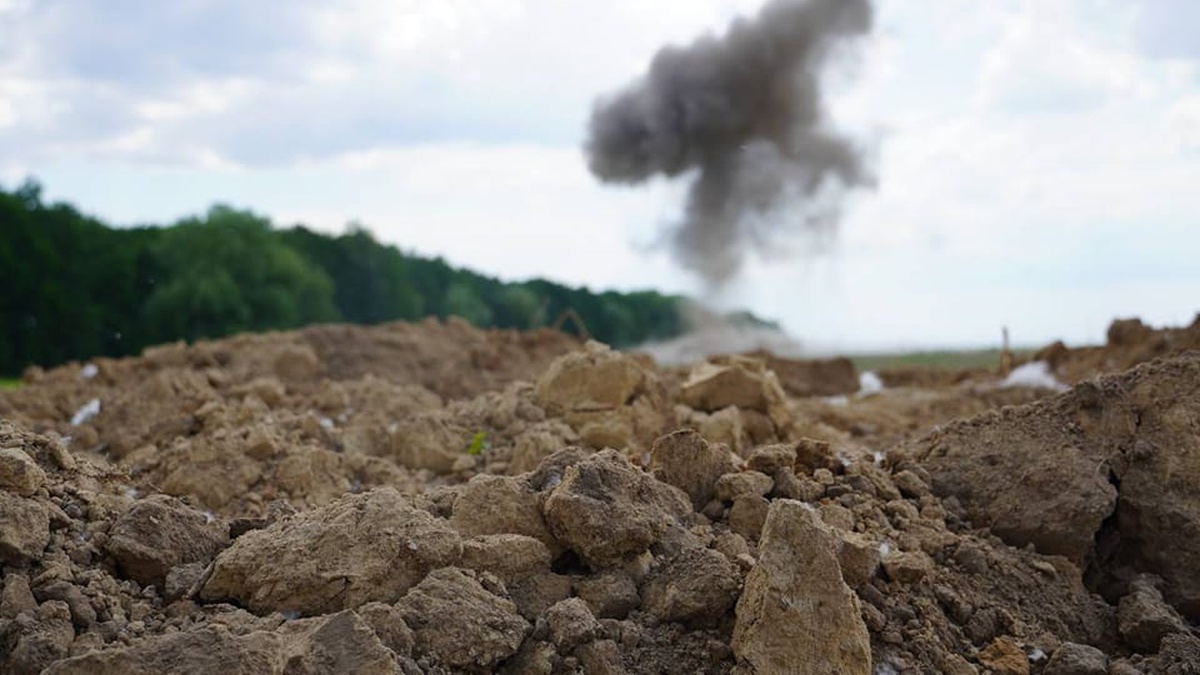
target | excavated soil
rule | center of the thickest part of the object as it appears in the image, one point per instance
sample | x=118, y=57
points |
x=431, y=498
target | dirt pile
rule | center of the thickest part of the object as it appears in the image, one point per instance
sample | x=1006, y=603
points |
x=608, y=398
x=1128, y=343
x=321, y=502
x=304, y=416
x=812, y=377
x=1107, y=474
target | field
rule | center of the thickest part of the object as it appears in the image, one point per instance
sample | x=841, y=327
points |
x=433, y=498
x=939, y=359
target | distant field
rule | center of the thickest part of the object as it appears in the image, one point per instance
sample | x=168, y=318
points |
x=950, y=360
x=9, y=383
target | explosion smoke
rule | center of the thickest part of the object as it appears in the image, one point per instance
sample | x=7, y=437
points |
x=745, y=111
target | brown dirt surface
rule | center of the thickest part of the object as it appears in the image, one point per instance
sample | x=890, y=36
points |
x=432, y=498
x=1129, y=342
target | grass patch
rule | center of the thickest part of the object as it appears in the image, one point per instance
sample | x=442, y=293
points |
x=940, y=359
x=9, y=383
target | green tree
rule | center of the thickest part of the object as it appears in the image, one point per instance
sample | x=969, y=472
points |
x=71, y=284
x=229, y=273
x=463, y=301
x=370, y=280
x=520, y=308
x=75, y=288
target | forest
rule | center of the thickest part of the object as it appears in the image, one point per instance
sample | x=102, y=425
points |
x=75, y=287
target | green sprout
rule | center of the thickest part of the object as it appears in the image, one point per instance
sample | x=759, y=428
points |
x=479, y=444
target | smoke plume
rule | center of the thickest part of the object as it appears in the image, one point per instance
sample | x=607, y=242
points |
x=744, y=111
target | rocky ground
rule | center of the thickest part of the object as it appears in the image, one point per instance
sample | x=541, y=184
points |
x=431, y=498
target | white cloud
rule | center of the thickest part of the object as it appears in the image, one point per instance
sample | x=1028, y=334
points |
x=196, y=99
x=1048, y=57
x=1167, y=28
x=270, y=83
x=1183, y=118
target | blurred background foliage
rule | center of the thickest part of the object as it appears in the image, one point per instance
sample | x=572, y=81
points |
x=74, y=288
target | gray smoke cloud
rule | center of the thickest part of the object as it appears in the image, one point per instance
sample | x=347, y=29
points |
x=743, y=110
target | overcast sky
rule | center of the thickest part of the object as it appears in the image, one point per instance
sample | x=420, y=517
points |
x=1038, y=161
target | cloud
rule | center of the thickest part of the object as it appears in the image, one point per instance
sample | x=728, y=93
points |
x=1050, y=58
x=1183, y=118
x=269, y=83
x=151, y=46
x=260, y=83
x=1167, y=28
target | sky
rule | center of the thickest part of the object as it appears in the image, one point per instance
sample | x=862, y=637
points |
x=1037, y=161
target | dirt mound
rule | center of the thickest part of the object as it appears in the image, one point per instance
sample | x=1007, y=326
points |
x=433, y=499
x=929, y=378
x=1107, y=474
x=877, y=422
x=451, y=359
x=305, y=415
x=1129, y=342
x=812, y=377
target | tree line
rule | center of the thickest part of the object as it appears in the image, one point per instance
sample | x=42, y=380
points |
x=74, y=287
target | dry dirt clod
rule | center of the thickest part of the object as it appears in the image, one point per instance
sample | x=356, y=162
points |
x=687, y=461
x=742, y=382
x=537, y=593
x=596, y=378
x=340, y=643
x=730, y=486
x=19, y=474
x=747, y=515
x=907, y=567
x=910, y=484
x=1145, y=619
x=82, y=613
x=610, y=595
x=696, y=585
x=16, y=596
x=1179, y=654
x=796, y=614
x=813, y=377
x=1005, y=657
x=388, y=624
x=1076, y=659
x=459, y=623
x=859, y=558
x=770, y=459
x=296, y=362
x=602, y=657
x=510, y=557
x=41, y=640
x=372, y=546
x=571, y=624
x=499, y=505
x=160, y=532
x=24, y=528
x=430, y=440
x=610, y=399
x=605, y=509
